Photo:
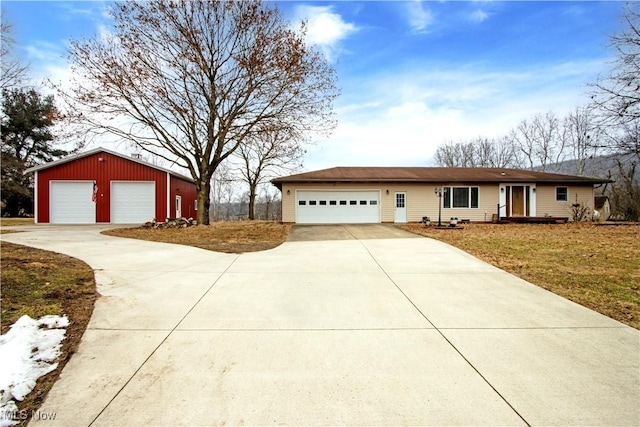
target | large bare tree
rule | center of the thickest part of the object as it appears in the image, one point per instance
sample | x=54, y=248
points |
x=267, y=153
x=191, y=81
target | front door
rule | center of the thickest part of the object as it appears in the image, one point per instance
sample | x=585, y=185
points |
x=401, y=207
x=517, y=200
x=178, y=207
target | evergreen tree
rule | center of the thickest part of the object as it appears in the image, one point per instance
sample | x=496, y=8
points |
x=27, y=140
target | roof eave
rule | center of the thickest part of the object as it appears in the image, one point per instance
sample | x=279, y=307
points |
x=103, y=150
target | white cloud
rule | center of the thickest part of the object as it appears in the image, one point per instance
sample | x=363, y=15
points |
x=325, y=29
x=399, y=119
x=419, y=17
x=478, y=16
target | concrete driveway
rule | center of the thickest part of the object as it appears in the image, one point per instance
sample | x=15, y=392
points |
x=343, y=332
x=310, y=233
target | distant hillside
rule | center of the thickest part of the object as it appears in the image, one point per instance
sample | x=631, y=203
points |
x=597, y=167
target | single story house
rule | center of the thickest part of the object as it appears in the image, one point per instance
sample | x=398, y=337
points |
x=407, y=194
x=102, y=186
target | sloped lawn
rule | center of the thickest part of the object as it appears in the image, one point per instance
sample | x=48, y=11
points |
x=597, y=266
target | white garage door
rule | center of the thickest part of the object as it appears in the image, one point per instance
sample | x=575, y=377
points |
x=132, y=202
x=338, y=207
x=70, y=202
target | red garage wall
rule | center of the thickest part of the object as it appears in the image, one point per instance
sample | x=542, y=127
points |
x=110, y=168
x=187, y=191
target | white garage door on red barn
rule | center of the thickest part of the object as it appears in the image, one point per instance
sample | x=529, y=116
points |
x=337, y=207
x=132, y=202
x=71, y=202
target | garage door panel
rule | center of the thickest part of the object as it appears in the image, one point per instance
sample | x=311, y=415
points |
x=338, y=207
x=132, y=202
x=71, y=202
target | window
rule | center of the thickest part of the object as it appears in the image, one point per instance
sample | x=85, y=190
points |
x=312, y=202
x=373, y=202
x=460, y=197
x=562, y=194
x=353, y=202
x=332, y=202
x=302, y=202
x=446, y=197
x=323, y=203
x=363, y=202
x=343, y=203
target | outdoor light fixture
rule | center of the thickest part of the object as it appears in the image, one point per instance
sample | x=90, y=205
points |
x=387, y=191
x=533, y=189
x=288, y=192
x=438, y=192
x=100, y=159
x=502, y=190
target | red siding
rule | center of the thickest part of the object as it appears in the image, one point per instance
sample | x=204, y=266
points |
x=187, y=191
x=110, y=168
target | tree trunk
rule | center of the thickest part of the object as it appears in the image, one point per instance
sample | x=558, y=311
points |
x=204, y=199
x=252, y=200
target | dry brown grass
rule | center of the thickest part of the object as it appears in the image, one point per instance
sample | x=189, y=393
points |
x=6, y=222
x=39, y=283
x=596, y=266
x=229, y=237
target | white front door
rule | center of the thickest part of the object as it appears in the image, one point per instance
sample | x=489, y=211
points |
x=401, y=207
x=178, y=207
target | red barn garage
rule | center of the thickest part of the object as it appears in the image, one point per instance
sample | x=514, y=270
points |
x=101, y=186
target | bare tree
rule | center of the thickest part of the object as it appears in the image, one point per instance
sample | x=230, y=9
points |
x=223, y=192
x=266, y=154
x=194, y=80
x=267, y=205
x=581, y=137
x=479, y=152
x=13, y=72
x=506, y=154
x=617, y=95
x=539, y=141
x=458, y=154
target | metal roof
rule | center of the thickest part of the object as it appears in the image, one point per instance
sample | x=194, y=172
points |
x=431, y=175
x=73, y=157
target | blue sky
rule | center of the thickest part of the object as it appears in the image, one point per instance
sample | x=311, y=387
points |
x=413, y=75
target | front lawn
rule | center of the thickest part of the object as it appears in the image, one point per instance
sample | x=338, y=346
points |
x=596, y=266
x=39, y=283
x=229, y=237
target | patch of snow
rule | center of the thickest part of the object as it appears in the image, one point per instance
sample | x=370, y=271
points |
x=27, y=352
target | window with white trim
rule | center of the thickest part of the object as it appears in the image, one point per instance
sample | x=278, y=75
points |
x=562, y=194
x=460, y=197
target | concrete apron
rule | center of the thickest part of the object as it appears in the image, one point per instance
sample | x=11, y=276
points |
x=353, y=332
